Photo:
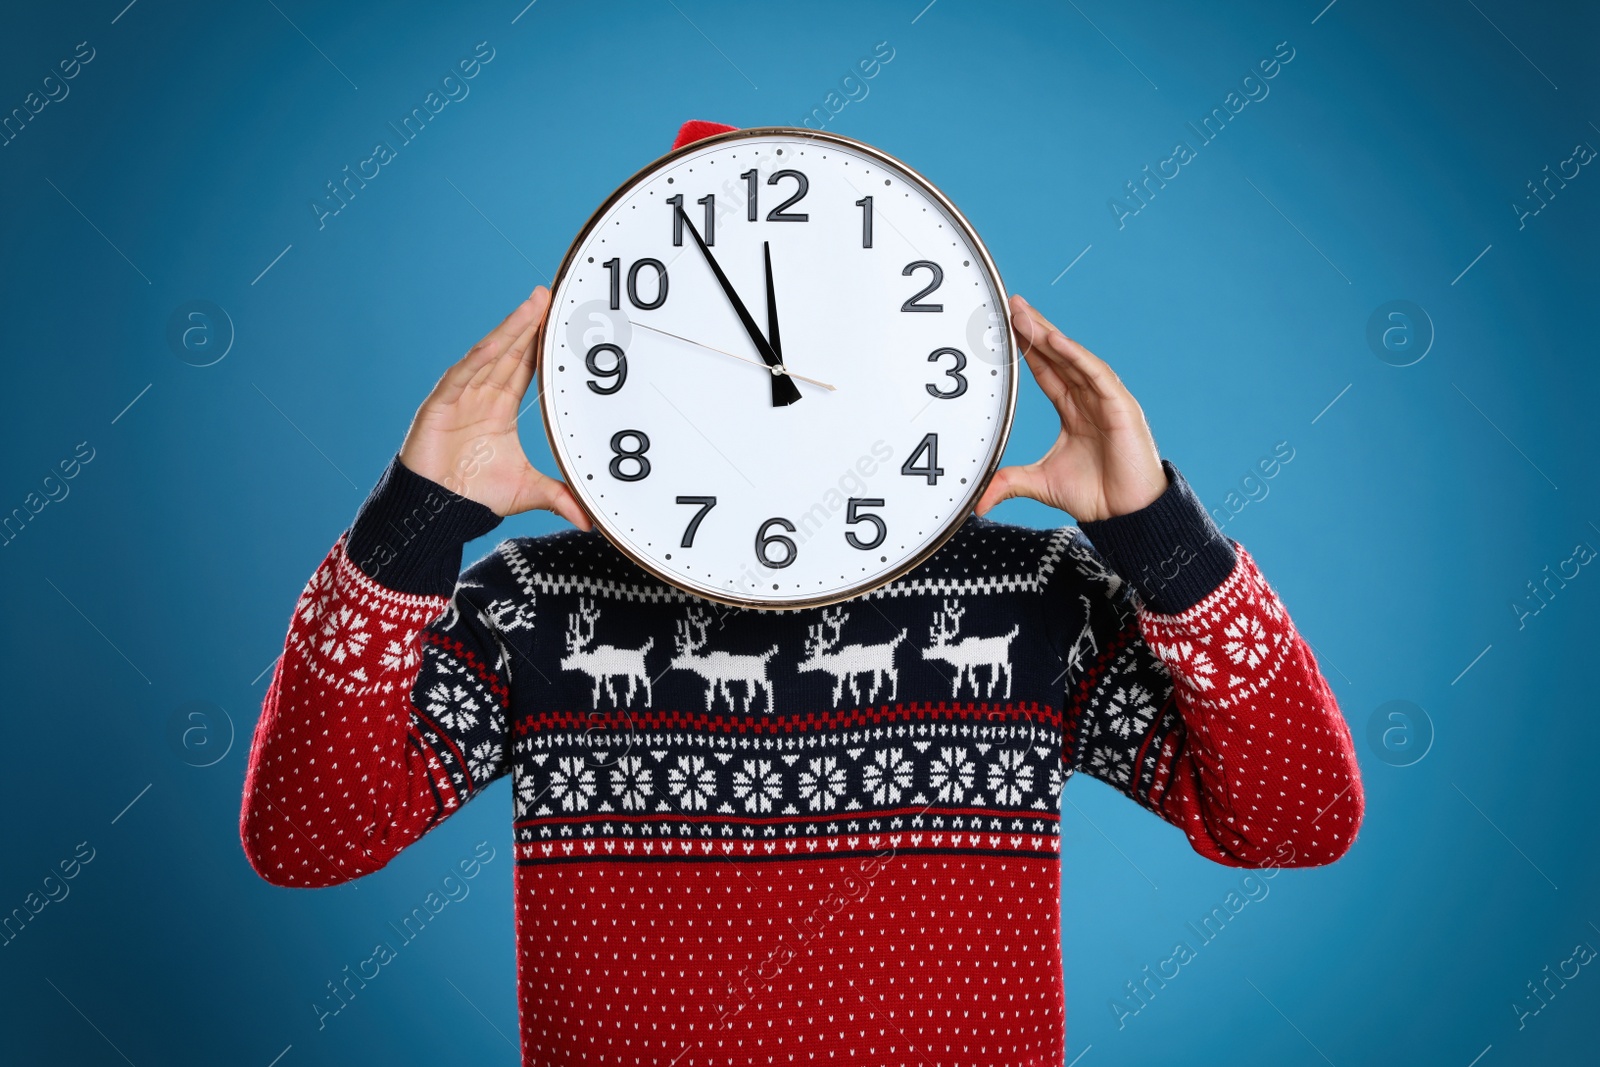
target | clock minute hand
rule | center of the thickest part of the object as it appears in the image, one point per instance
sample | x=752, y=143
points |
x=772, y=302
x=784, y=391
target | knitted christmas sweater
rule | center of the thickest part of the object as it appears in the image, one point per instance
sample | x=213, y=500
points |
x=799, y=836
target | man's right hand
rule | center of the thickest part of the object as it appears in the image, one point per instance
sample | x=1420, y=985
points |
x=465, y=434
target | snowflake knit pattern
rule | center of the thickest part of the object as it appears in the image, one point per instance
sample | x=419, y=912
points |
x=806, y=836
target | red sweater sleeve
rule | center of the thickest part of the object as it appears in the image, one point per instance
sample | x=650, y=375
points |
x=1213, y=713
x=387, y=709
x=1219, y=721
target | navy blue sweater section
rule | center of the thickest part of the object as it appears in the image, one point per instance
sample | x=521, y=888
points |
x=409, y=535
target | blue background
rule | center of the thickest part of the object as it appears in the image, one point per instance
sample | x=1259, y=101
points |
x=1382, y=166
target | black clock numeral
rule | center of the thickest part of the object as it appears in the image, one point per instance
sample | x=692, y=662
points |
x=661, y=284
x=709, y=230
x=618, y=370
x=750, y=179
x=706, y=504
x=763, y=540
x=802, y=186
x=614, y=266
x=938, y=280
x=781, y=213
x=865, y=204
x=852, y=516
x=954, y=372
x=932, y=470
x=641, y=445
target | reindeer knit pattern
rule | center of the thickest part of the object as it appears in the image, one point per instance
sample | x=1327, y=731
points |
x=803, y=836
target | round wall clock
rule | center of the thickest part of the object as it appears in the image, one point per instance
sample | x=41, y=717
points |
x=778, y=368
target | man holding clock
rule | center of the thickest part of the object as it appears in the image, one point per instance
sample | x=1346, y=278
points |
x=782, y=794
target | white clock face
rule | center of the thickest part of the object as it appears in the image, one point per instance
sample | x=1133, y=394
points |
x=887, y=323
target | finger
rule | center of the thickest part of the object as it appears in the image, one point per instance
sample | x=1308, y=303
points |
x=1042, y=326
x=1036, y=332
x=513, y=325
x=485, y=352
x=1029, y=324
x=539, y=491
x=1065, y=396
x=500, y=371
x=1075, y=364
x=482, y=355
x=1049, y=379
x=565, y=504
x=1041, y=334
x=522, y=373
x=491, y=370
x=508, y=372
x=1095, y=372
x=1009, y=482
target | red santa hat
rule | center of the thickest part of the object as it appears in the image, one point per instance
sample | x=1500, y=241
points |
x=698, y=130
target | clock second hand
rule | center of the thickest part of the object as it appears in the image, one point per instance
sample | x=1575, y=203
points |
x=780, y=369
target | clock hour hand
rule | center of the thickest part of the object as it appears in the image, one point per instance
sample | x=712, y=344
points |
x=784, y=391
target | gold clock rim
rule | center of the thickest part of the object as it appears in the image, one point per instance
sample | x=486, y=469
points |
x=959, y=516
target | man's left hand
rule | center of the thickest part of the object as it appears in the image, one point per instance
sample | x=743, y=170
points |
x=1104, y=462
